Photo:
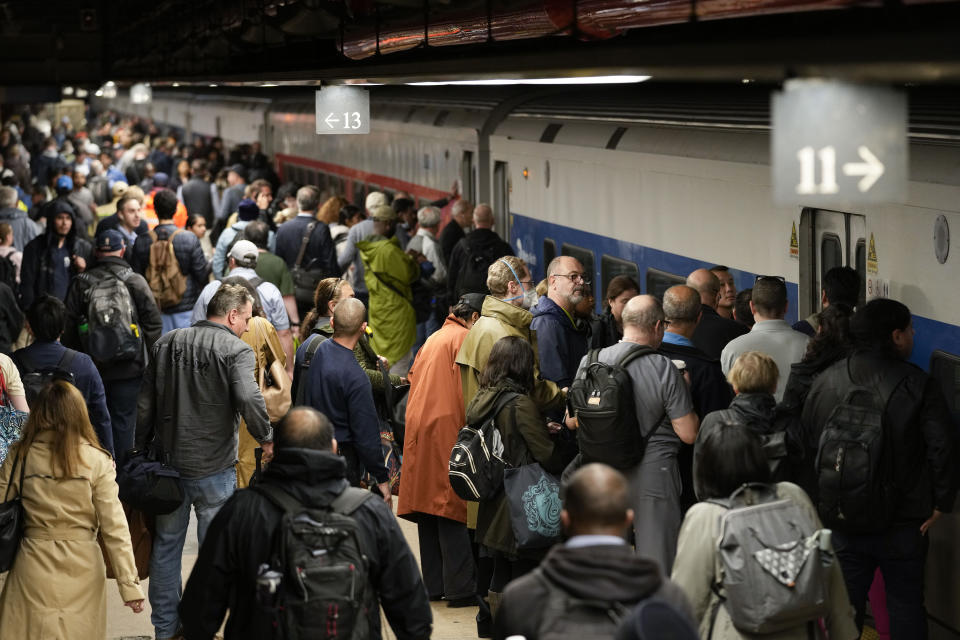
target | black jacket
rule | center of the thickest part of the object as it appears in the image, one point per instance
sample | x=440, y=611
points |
x=36, y=270
x=609, y=573
x=189, y=253
x=239, y=540
x=484, y=242
x=709, y=391
x=714, y=332
x=197, y=198
x=11, y=318
x=604, y=331
x=148, y=315
x=452, y=234
x=917, y=427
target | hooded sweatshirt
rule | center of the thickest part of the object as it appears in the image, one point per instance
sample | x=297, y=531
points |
x=560, y=343
x=48, y=267
x=606, y=572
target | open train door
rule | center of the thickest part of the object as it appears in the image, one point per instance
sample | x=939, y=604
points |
x=829, y=239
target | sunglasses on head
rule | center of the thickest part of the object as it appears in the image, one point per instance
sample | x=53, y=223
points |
x=780, y=278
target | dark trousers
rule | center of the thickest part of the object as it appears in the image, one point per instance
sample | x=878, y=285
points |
x=900, y=553
x=121, y=397
x=355, y=468
x=445, y=557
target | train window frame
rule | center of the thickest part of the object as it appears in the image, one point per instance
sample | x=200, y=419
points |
x=833, y=240
x=549, y=251
x=941, y=361
x=658, y=280
x=625, y=267
x=860, y=265
x=582, y=254
x=359, y=194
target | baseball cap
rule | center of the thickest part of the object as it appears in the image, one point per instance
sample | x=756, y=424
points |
x=119, y=188
x=375, y=199
x=244, y=251
x=383, y=212
x=110, y=240
x=160, y=179
x=65, y=182
x=473, y=300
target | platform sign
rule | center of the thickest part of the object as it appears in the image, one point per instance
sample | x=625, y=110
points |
x=836, y=143
x=343, y=110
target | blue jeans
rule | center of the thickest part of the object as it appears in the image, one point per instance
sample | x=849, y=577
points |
x=207, y=495
x=179, y=320
x=121, y=398
x=900, y=552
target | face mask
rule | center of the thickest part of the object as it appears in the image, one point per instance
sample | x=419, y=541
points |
x=530, y=299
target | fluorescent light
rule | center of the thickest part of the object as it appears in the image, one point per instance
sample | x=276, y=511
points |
x=175, y=84
x=268, y=84
x=212, y=84
x=509, y=81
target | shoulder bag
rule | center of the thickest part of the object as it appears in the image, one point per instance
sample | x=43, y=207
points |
x=12, y=518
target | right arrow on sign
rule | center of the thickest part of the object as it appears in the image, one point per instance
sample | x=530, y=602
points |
x=871, y=169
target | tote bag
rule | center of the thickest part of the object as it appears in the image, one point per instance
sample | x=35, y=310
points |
x=533, y=499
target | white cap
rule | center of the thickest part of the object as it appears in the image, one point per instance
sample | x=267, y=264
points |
x=244, y=251
x=376, y=199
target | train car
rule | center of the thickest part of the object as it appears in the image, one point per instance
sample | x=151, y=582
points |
x=655, y=182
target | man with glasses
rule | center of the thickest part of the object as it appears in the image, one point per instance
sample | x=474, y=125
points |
x=771, y=334
x=560, y=344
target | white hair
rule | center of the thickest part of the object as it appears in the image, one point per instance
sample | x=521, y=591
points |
x=428, y=216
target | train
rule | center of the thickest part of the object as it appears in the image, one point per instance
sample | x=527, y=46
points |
x=648, y=180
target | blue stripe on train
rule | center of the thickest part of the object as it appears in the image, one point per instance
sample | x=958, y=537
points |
x=528, y=235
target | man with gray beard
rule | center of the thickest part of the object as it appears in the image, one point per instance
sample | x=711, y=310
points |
x=560, y=344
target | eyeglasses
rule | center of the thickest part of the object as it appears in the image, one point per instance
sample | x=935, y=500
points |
x=582, y=277
x=780, y=278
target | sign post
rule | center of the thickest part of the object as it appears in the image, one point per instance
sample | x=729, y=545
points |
x=343, y=110
x=836, y=143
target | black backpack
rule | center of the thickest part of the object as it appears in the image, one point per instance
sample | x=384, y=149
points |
x=476, y=462
x=473, y=277
x=854, y=461
x=35, y=378
x=8, y=272
x=317, y=582
x=601, y=398
x=109, y=331
x=300, y=374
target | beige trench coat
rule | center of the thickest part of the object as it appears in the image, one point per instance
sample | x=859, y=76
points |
x=57, y=588
x=695, y=566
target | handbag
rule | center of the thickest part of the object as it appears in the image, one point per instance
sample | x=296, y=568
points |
x=533, y=500
x=12, y=518
x=11, y=420
x=275, y=387
x=141, y=528
x=148, y=482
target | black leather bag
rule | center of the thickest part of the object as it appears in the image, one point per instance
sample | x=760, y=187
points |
x=12, y=518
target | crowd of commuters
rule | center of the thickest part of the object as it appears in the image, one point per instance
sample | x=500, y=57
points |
x=176, y=297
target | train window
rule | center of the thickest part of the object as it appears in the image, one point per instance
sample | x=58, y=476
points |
x=610, y=268
x=549, y=251
x=862, y=271
x=945, y=369
x=359, y=194
x=831, y=254
x=659, y=281
x=585, y=256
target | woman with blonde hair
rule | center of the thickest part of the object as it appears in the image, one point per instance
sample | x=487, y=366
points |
x=57, y=587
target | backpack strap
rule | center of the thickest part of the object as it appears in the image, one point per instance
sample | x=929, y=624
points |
x=66, y=359
x=312, y=349
x=636, y=351
x=304, y=241
x=502, y=401
x=256, y=282
x=350, y=500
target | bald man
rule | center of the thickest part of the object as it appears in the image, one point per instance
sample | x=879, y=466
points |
x=708, y=386
x=714, y=331
x=473, y=254
x=594, y=564
x=560, y=343
x=666, y=418
x=307, y=471
x=338, y=388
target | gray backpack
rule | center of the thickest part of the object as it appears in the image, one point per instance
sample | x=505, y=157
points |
x=773, y=562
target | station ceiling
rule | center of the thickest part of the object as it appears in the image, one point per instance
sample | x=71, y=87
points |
x=255, y=42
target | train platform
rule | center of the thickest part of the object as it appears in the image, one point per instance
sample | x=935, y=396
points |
x=123, y=624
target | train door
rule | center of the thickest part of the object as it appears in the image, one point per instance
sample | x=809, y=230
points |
x=829, y=239
x=501, y=199
x=468, y=178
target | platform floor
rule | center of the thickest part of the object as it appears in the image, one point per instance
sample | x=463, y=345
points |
x=123, y=624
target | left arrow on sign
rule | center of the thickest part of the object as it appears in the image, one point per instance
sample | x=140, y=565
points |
x=330, y=120
x=871, y=169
